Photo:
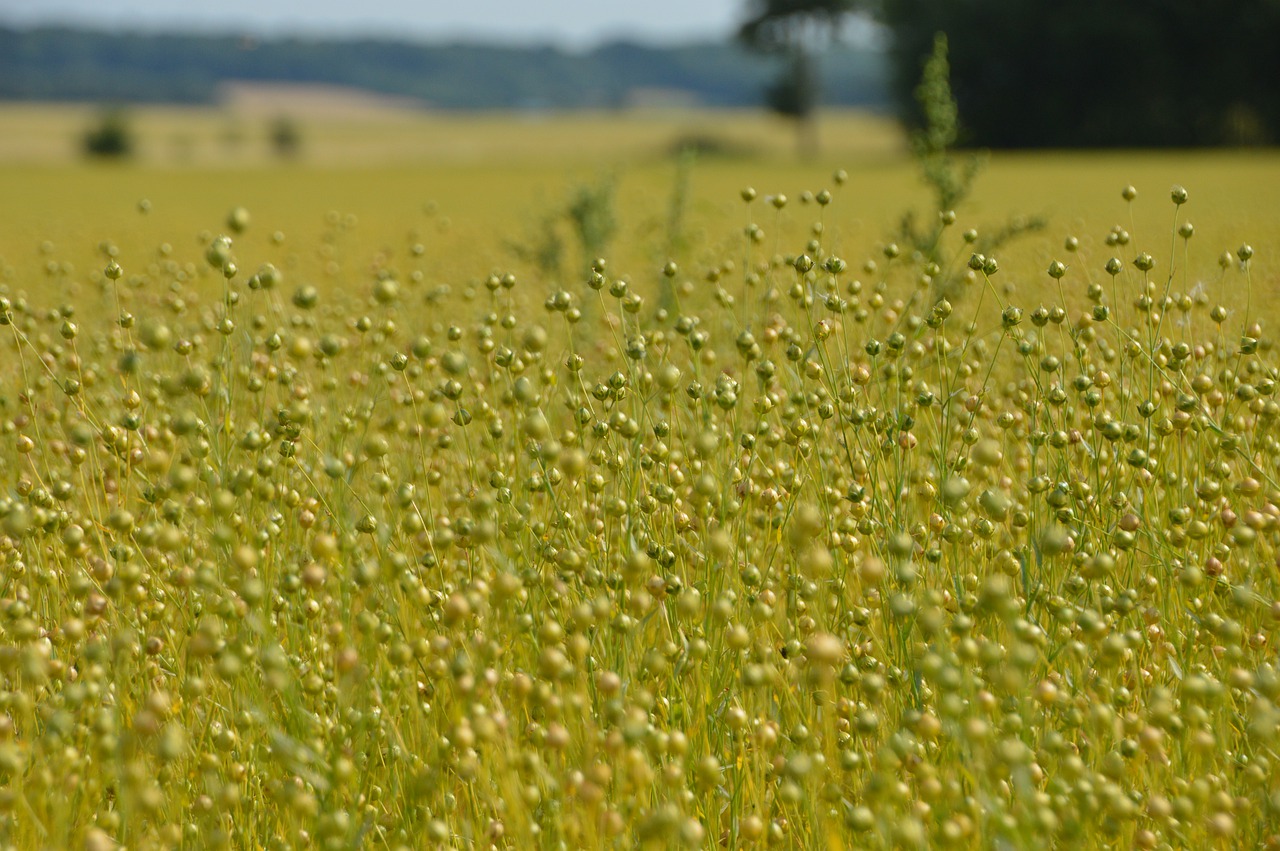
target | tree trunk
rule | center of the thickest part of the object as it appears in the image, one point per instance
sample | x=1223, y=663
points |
x=807, y=141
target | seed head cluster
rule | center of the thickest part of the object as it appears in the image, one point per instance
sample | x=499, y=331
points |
x=841, y=547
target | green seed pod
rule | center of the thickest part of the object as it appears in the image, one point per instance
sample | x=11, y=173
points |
x=386, y=291
x=995, y=504
x=954, y=490
x=238, y=220
x=306, y=297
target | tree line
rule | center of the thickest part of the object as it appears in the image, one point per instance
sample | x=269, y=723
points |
x=55, y=63
x=1155, y=73
x=1150, y=73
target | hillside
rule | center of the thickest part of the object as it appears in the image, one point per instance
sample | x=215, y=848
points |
x=62, y=64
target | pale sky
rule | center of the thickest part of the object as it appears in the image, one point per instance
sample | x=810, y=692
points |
x=574, y=23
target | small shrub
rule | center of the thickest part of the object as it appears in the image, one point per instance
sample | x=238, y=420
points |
x=110, y=138
x=286, y=138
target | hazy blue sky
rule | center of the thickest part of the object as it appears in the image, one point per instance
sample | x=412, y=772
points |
x=569, y=22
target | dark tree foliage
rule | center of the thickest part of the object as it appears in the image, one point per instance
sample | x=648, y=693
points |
x=1150, y=73
x=796, y=30
x=785, y=25
x=110, y=137
x=286, y=137
x=795, y=92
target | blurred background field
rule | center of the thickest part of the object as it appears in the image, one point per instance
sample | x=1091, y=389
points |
x=340, y=127
x=475, y=187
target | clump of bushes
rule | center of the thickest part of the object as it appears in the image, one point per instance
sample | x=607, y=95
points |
x=111, y=136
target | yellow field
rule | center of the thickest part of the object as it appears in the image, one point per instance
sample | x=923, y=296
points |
x=344, y=129
x=846, y=548
x=468, y=184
